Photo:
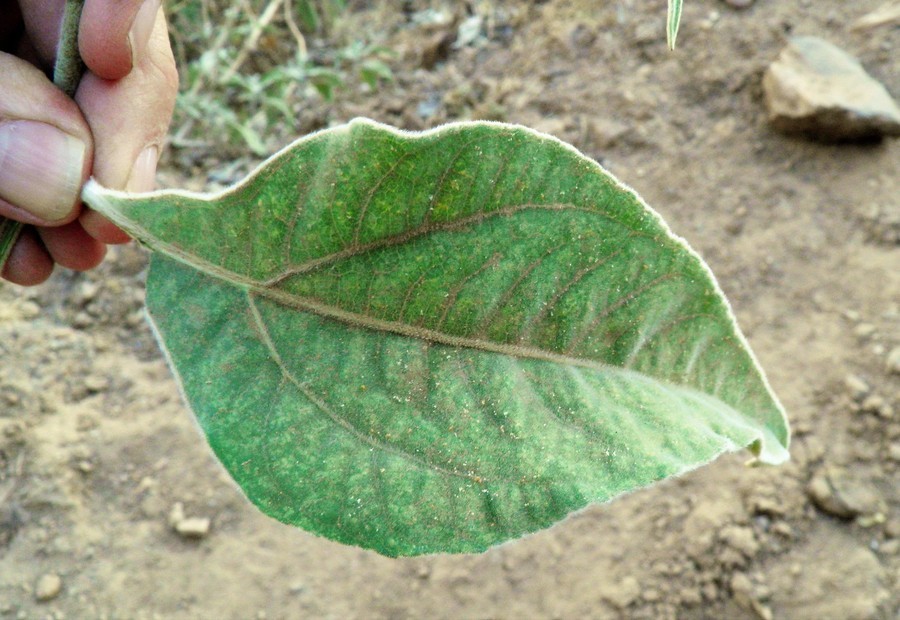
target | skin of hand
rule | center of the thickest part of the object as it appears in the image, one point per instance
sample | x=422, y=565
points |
x=50, y=144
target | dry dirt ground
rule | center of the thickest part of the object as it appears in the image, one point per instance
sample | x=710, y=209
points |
x=96, y=447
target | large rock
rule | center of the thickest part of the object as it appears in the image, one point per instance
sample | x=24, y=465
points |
x=817, y=89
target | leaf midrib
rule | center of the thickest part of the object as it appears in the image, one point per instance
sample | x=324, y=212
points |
x=268, y=288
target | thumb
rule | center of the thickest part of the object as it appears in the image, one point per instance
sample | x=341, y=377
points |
x=45, y=147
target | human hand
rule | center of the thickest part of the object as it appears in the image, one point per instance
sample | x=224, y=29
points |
x=50, y=144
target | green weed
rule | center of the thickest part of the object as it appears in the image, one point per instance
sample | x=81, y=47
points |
x=248, y=69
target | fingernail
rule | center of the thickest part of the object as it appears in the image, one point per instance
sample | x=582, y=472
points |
x=41, y=168
x=141, y=28
x=143, y=173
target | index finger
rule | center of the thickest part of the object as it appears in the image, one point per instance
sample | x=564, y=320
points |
x=114, y=35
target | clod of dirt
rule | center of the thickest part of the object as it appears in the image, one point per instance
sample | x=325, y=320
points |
x=740, y=538
x=746, y=596
x=816, y=89
x=838, y=492
x=832, y=576
x=739, y=4
x=878, y=405
x=622, y=594
x=47, y=587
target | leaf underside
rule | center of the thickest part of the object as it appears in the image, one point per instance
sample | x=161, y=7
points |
x=437, y=342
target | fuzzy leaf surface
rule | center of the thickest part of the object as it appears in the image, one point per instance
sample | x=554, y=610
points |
x=437, y=342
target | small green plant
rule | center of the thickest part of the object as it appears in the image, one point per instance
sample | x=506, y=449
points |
x=441, y=341
x=252, y=78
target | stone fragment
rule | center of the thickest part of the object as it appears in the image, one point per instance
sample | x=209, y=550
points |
x=836, y=492
x=47, y=587
x=816, y=89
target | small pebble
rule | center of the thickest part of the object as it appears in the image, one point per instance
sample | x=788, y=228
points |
x=82, y=320
x=856, y=386
x=864, y=330
x=193, y=527
x=96, y=383
x=872, y=404
x=188, y=527
x=47, y=587
x=892, y=528
x=782, y=529
x=891, y=547
x=85, y=292
x=893, y=361
x=29, y=310
x=894, y=452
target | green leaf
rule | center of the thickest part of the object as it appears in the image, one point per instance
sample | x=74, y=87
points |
x=673, y=20
x=373, y=71
x=440, y=341
x=309, y=16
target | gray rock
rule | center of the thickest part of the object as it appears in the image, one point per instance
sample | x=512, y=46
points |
x=816, y=89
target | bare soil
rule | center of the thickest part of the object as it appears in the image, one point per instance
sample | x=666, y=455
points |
x=96, y=447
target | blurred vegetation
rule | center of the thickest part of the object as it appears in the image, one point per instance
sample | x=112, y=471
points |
x=248, y=67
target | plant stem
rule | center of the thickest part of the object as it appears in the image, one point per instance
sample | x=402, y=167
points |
x=69, y=66
x=66, y=75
